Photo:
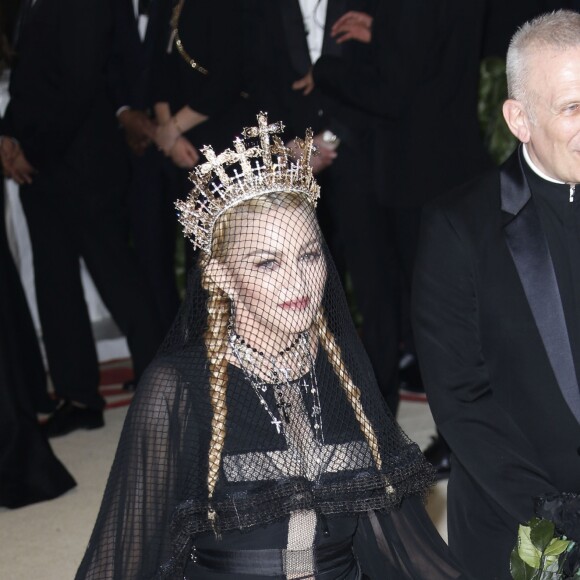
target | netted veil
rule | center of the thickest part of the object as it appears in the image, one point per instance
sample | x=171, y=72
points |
x=261, y=402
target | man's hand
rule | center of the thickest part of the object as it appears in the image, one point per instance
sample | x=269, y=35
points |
x=14, y=164
x=9, y=150
x=184, y=154
x=305, y=84
x=139, y=129
x=166, y=135
x=323, y=157
x=21, y=171
x=353, y=25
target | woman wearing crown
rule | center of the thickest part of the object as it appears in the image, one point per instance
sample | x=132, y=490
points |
x=258, y=445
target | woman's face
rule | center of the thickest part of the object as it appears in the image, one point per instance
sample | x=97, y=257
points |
x=275, y=274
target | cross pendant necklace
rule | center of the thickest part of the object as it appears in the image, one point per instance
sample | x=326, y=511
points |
x=283, y=407
x=277, y=423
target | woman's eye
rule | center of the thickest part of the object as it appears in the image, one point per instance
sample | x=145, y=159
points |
x=266, y=264
x=572, y=108
x=311, y=256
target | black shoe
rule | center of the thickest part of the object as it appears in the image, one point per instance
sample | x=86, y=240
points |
x=68, y=417
x=438, y=455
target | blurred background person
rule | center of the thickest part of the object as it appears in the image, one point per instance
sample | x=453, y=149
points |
x=154, y=182
x=284, y=41
x=29, y=470
x=197, y=83
x=421, y=90
x=61, y=144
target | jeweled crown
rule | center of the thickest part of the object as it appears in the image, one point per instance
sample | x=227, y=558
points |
x=259, y=164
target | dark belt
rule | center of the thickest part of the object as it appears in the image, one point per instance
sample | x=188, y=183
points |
x=273, y=562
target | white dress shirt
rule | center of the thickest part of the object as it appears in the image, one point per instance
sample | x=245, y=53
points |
x=314, y=15
x=142, y=20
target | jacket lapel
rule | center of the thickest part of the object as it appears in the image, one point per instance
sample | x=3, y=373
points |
x=335, y=9
x=528, y=246
x=293, y=23
x=153, y=9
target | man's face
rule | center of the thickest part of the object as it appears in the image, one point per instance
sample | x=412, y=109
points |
x=554, y=139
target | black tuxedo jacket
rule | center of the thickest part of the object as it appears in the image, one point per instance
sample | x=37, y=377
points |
x=421, y=87
x=497, y=364
x=60, y=107
x=129, y=69
x=276, y=55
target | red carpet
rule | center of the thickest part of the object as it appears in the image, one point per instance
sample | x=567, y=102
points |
x=113, y=375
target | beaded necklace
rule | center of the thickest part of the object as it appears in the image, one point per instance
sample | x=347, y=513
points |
x=299, y=368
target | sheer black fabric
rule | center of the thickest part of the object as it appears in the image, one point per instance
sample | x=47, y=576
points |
x=260, y=424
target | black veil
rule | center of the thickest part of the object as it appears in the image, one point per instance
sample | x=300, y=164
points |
x=261, y=405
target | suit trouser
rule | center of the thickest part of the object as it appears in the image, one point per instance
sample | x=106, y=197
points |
x=478, y=527
x=379, y=246
x=155, y=185
x=72, y=215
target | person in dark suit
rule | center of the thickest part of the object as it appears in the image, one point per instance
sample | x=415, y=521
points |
x=63, y=146
x=420, y=89
x=279, y=61
x=497, y=308
x=29, y=470
x=279, y=58
x=154, y=182
x=201, y=104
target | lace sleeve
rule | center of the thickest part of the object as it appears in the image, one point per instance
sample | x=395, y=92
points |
x=404, y=545
x=131, y=536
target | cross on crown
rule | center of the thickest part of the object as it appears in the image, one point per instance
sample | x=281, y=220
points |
x=261, y=167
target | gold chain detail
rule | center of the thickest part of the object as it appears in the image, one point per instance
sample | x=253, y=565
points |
x=178, y=42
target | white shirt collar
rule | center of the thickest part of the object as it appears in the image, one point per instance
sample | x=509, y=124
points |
x=536, y=169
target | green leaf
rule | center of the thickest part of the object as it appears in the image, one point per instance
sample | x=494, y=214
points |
x=556, y=547
x=519, y=569
x=517, y=566
x=526, y=549
x=542, y=533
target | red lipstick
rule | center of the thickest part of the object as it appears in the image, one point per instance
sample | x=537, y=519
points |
x=296, y=304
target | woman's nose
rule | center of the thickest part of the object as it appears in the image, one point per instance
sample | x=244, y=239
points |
x=293, y=278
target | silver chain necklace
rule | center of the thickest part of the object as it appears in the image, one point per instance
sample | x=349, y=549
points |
x=299, y=367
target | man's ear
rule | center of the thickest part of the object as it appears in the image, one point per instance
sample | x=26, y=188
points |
x=220, y=276
x=517, y=119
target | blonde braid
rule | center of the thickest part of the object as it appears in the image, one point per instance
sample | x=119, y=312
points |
x=352, y=391
x=215, y=337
